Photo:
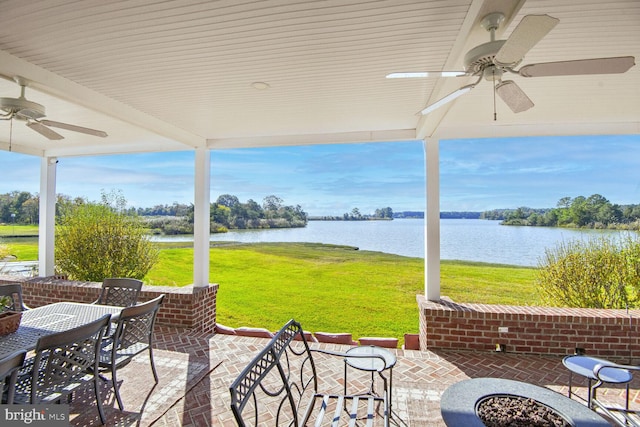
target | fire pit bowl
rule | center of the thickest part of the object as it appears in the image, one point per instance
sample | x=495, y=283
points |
x=459, y=402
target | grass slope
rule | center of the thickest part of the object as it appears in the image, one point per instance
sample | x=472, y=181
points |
x=336, y=288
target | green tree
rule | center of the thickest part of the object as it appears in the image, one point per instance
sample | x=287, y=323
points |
x=272, y=203
x=99, y=240
x=221, y=214
x=227, y=200
x=579, y=212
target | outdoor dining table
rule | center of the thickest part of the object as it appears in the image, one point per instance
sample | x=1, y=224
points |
x=49, y=319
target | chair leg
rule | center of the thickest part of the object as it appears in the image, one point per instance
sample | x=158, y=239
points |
x=626, y=403
x=592, y=391
x=116, y=389
x=11, y=389
x=96, y=388
x=153, y=365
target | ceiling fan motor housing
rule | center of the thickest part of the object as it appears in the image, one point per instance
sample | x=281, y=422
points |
x=481, y=56
x=22, y=108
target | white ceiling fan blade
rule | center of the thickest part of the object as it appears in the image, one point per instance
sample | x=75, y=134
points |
x=74, y=128
x=526, y=35
x=613, y=65
x=44, y=131
x=447, y=99
x=513, y=96
x=422, y=74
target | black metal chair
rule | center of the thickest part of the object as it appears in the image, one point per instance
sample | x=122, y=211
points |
x=598, y=373
x=14, y=292
x=133, y=335
x=282, y=386
x=119, y=291
x=9, y=367
x=63, y=362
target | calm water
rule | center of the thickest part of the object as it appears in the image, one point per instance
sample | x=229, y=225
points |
x=460, y=239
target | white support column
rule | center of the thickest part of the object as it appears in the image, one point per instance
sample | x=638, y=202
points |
x=432, y=221
x=47, y=219
x=201, y=213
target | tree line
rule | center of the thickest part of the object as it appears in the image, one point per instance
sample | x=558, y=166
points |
x=594, y=211
x=356, y=215
x=227, y=212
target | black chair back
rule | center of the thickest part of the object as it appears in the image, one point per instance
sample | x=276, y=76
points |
x=119, y=291
x=63, y=361
x=14, y=292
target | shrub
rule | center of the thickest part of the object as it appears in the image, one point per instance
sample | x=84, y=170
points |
x=4, y=254
x=596, y=273
x=4, y=251
x=99, y=240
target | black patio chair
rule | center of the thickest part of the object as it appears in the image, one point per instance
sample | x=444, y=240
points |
x=13, y=291
x=133, y=335
x=119, y=291
x=9, y=367
x=598, y=373
x=63, y=362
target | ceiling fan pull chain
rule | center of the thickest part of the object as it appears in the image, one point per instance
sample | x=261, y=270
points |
x=10, y=132
x=495, y=115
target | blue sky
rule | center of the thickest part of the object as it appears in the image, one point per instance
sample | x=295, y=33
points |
x=476, y=175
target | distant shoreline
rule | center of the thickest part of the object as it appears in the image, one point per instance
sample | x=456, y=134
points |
x=400, y=215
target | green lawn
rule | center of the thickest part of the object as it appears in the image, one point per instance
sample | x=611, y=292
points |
x=326, y=287
x=336, y=288
x=18, y=230
x=23, y=248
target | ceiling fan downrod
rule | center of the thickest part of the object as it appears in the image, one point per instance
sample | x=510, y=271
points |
x=491, y=23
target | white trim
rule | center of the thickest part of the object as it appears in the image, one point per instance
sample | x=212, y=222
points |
x=201, y=213
x=46, y=236
x=432, y=221
x=389, y=135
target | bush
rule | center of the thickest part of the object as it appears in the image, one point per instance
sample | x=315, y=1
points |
x=4, y=251
x=4, y=254
x=98, y=240
x=597, y=273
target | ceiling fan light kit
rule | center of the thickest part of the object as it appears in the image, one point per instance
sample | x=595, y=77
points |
x=494, y=58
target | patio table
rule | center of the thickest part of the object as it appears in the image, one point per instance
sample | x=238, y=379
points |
x=49, y=319
x=372, y=364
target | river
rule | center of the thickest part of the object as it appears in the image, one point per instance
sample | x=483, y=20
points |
x=460, y=239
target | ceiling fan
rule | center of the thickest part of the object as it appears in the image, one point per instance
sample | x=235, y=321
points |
x=33, y=113
x=492, y=60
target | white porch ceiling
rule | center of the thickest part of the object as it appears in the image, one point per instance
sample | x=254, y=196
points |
x=161, y=75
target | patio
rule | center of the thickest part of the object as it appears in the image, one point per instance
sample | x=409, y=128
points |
x=326, y=68
x=196, y=370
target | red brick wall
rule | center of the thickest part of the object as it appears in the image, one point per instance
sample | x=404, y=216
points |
x=612, y=334
x=186, y=306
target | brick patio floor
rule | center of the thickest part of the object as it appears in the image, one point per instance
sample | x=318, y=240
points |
x=196, y=370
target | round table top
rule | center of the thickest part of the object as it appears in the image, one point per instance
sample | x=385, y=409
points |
x=583, y=365
x=370, y=363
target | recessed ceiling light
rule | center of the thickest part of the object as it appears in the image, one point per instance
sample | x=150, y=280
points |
x=260, y=85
